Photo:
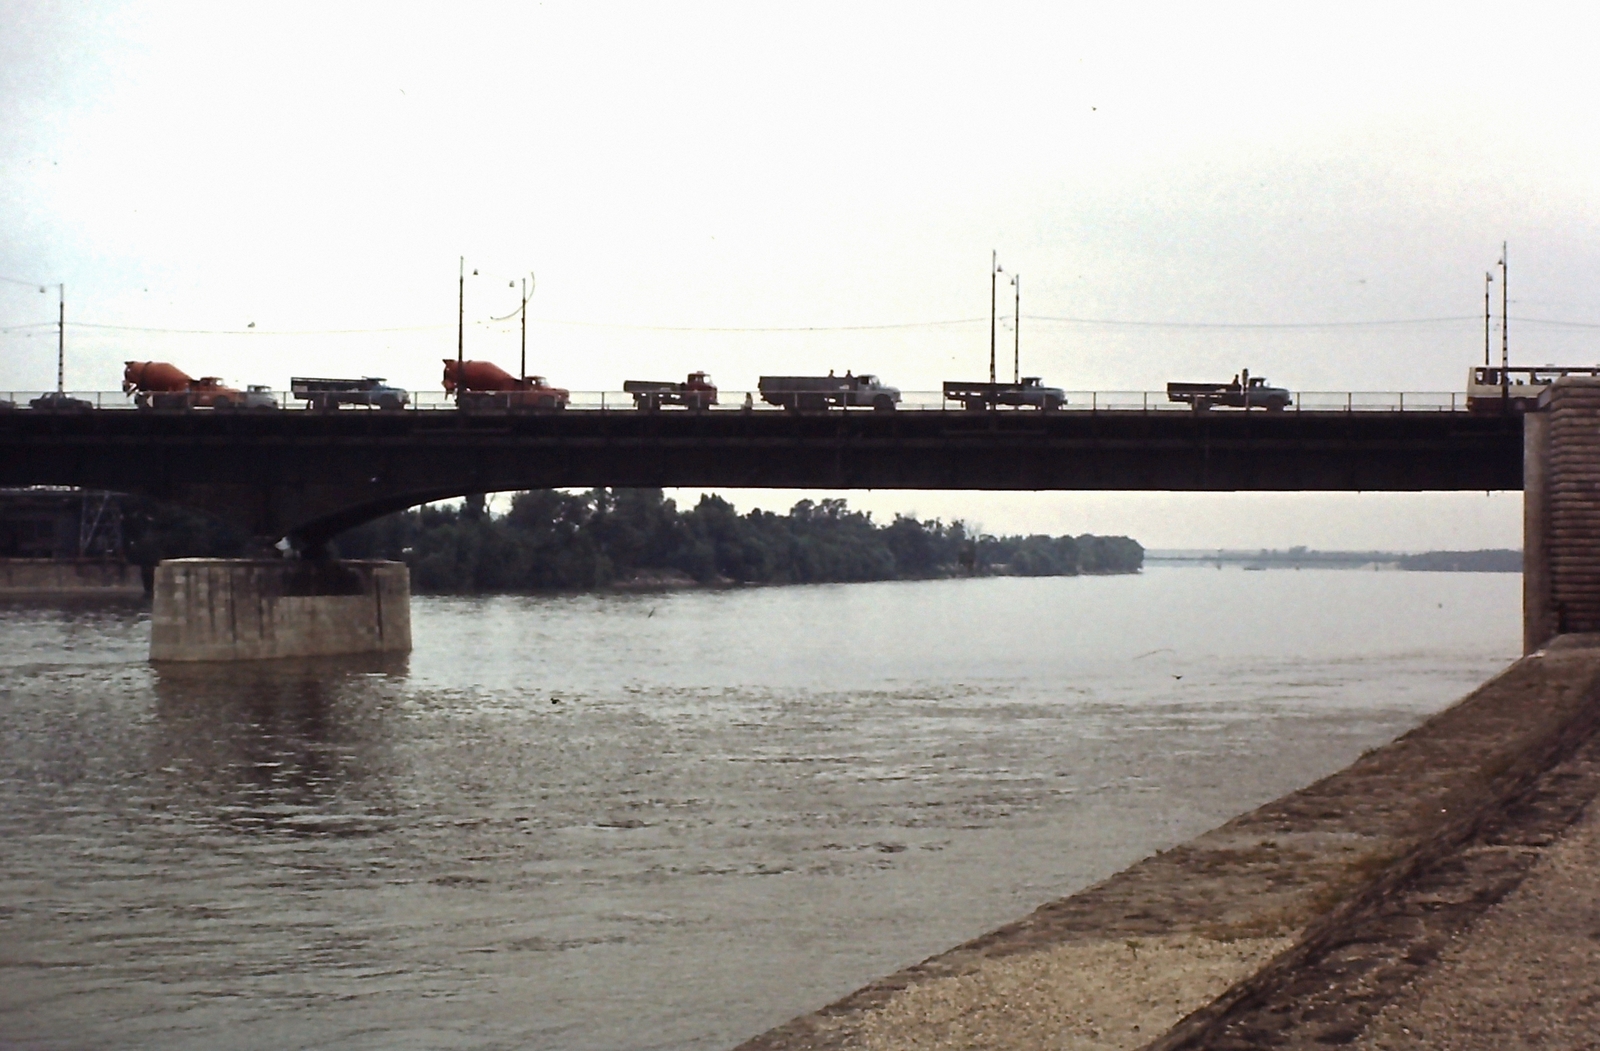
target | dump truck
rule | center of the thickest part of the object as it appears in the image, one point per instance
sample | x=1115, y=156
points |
x=805, y=393
x=160, y=385
x=696, y=392
x=977, y=395
x=320, y=393
x=1243, y=392
x=483, y=386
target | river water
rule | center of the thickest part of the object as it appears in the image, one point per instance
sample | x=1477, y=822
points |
x=664, y=820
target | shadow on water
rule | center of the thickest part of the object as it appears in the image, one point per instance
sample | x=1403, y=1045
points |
x=301, y=747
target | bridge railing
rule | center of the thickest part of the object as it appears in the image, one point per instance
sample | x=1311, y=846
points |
x=913, y=401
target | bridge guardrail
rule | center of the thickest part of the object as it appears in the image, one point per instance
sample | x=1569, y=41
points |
x=911, y=401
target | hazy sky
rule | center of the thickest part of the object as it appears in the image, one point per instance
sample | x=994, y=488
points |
x=669, y=171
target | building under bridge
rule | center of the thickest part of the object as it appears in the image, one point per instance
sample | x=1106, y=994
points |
x=57, y=540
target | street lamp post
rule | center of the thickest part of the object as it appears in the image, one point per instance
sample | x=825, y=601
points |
x=1016, y=328
x=527, y=292
x=1505, y=337
x=1488, y=279
x=61, y=339
x=994, y=268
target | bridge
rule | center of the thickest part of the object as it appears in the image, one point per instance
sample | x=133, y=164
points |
x=310, y=475
x=307, y=476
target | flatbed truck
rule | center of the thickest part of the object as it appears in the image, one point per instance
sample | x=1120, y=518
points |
x=1244, y=392
x=814, y=393
x=1031, y=391
x=694, y=393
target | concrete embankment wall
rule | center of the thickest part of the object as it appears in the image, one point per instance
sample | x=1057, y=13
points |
x=44, y=577
x=1277, y=928
x=235, y=609
x=1561, y=513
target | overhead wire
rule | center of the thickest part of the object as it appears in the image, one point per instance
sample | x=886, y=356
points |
x=762, y=328
x=1048, y=318
x=1118, y=322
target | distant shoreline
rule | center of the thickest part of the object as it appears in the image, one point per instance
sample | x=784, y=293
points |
x=1487, y=560
x=653, y=581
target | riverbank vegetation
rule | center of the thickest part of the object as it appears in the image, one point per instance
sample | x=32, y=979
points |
x=603, y=537
x=550, y=538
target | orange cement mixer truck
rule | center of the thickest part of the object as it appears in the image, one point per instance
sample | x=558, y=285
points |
x=159, y=385
x=485, y=386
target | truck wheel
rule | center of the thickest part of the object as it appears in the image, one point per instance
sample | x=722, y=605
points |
x=812, y=403
x=974, y=404
x=1051, y=404
x=883, y=403
x=222, y=403
x=1277, y=404
x=389, y=402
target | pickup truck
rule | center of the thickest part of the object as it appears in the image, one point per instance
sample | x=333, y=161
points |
x=1031, y=391
x=696, y=392
x=1245, y=392
x=801, y=393
x=320, y=393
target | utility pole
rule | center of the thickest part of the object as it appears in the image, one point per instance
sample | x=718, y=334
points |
x=994, y=268
x=1016, y=321
x=461, y=320
x=61, y=343
x=1505, y=334
x=1488, y=279
x=522, y=369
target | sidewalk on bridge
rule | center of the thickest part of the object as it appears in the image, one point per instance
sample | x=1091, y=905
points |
x=1373, y=909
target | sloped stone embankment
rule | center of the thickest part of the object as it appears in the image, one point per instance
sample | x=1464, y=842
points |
x=1304, y=923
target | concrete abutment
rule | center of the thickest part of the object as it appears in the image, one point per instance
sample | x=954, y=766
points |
x=1561, y=513
x=214, y=609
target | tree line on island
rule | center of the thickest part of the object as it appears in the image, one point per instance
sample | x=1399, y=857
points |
x=603, y=537
x=552, y=539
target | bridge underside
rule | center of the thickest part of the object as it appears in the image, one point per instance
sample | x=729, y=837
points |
x=312, y=476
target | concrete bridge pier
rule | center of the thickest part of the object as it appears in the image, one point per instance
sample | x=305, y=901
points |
x=223, y=609
x=1561, y=513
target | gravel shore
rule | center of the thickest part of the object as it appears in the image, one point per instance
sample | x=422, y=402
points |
x=1119, y=995
x=1526, y=975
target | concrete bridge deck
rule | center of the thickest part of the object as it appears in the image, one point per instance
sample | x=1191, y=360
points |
x=315, y=474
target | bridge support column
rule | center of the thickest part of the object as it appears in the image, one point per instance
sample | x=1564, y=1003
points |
x=216, y=609
x=1561, y=513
